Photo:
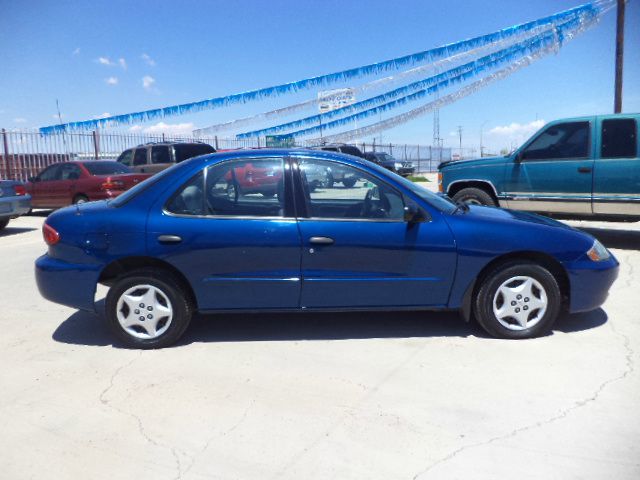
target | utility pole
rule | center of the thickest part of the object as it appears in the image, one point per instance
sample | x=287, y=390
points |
x=460, y=137
x=481, y=127
x=617, y=104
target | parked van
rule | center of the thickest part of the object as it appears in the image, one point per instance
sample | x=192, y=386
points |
x=576, y=167
x=154, y=157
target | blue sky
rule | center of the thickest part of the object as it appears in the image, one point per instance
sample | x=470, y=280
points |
x=159, y=53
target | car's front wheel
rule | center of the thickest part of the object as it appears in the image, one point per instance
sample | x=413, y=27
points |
x=518, y=300
x=148, y=309
x=3, y=223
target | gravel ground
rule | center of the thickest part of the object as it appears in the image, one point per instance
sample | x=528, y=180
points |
x=349, y=396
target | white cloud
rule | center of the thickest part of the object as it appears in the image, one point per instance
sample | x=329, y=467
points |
x=102, y=115
x=148, y=60
x=76, y=51
x=111, y=80
x=148, y=81
x=516, y=129
x=56, y=117
x=105, y=61
x=123, y=63
x=19, y=120
x=176, y=129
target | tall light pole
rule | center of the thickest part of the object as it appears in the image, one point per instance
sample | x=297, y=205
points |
x=617, y=104
x=481, y=127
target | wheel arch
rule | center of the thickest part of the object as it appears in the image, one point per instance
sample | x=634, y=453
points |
x=122, y=266
x=539, y=258
x=457, y=185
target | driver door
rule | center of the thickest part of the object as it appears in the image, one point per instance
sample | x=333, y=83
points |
x=554, y=172
x=358, y=251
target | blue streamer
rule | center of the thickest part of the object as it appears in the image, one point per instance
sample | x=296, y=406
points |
x=322, y=80
x=508, y=53
x=463, y=74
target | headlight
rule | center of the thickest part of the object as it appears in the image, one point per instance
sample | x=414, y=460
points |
x=397, y=165
x=598, y=252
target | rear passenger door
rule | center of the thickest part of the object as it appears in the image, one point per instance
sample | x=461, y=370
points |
x=616, y=186
x=160, y=158
x=140, y=161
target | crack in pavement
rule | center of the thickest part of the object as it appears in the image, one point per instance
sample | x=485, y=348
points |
x=194, y=458
x=141, y=428
x=629, y=368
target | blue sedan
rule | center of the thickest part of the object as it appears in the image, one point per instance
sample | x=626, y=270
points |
x=207, y=235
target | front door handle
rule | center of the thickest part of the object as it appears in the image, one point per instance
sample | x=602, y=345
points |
x=584, y=169
x=321, y=240
x=165, y=239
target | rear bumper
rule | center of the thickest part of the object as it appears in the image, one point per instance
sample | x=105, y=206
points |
x=14, y=206
x=590, y=283
x=69, y=284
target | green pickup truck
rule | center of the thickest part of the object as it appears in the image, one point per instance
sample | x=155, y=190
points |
x=576, y=167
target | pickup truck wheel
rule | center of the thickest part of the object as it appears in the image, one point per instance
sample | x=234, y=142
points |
x=148, y=309
x=4, y=223
x=474, y=196
x=78, y=199
x=518, y=300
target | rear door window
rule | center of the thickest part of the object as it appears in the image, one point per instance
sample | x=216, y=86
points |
x=186, y=151
x=160, y=154
x=140, y=157
x=619, y=138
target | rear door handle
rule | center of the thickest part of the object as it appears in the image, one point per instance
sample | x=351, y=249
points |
x=321, y=240
x=584, y=169
x=165, y=239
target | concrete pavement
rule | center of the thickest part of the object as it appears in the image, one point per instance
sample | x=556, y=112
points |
x=317, y=396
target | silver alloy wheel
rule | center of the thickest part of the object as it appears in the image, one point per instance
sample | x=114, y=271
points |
x=520, y=303
x=144, y=311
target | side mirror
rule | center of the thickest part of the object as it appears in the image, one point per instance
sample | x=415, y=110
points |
x=518, y=157
x=412, y=214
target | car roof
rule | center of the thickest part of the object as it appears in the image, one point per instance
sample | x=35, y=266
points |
x=286, y=152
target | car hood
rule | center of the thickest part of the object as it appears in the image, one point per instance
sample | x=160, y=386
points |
x=500, y=231
x=472, y=162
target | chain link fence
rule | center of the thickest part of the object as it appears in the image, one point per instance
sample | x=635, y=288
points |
x=25, y=153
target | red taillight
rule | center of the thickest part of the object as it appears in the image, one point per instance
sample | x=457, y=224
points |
x=20, y=189
x=109, y=184
x=51, y=236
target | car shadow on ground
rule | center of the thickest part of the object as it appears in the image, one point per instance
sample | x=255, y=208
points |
x=8, y=231
x=84, y=328
x=613, y=238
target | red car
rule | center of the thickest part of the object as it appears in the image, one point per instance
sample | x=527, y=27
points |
x=250, y=178
x=67, y=183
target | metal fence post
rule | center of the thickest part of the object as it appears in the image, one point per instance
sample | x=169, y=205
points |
x=6, y=153
x=216, y=141
x=96, y=144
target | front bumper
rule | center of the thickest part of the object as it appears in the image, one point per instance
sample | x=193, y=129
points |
x=14, y=206
x=73, y=285
x=406, y=171
x=590, y=283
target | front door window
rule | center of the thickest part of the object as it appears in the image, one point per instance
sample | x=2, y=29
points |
x=562, y=141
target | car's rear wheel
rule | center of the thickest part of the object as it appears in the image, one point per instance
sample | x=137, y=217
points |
x=518, y=300
x=474, y=196
x=4, y=223
x=148, y=309
x=78, y=199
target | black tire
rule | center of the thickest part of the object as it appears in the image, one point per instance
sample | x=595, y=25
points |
x=475, y=196
x=491, y=282
x=4, y=223
x=170, y=287
x=80, y=199
x=349, y=182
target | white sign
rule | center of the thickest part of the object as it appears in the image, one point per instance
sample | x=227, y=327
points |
x=332, y=99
